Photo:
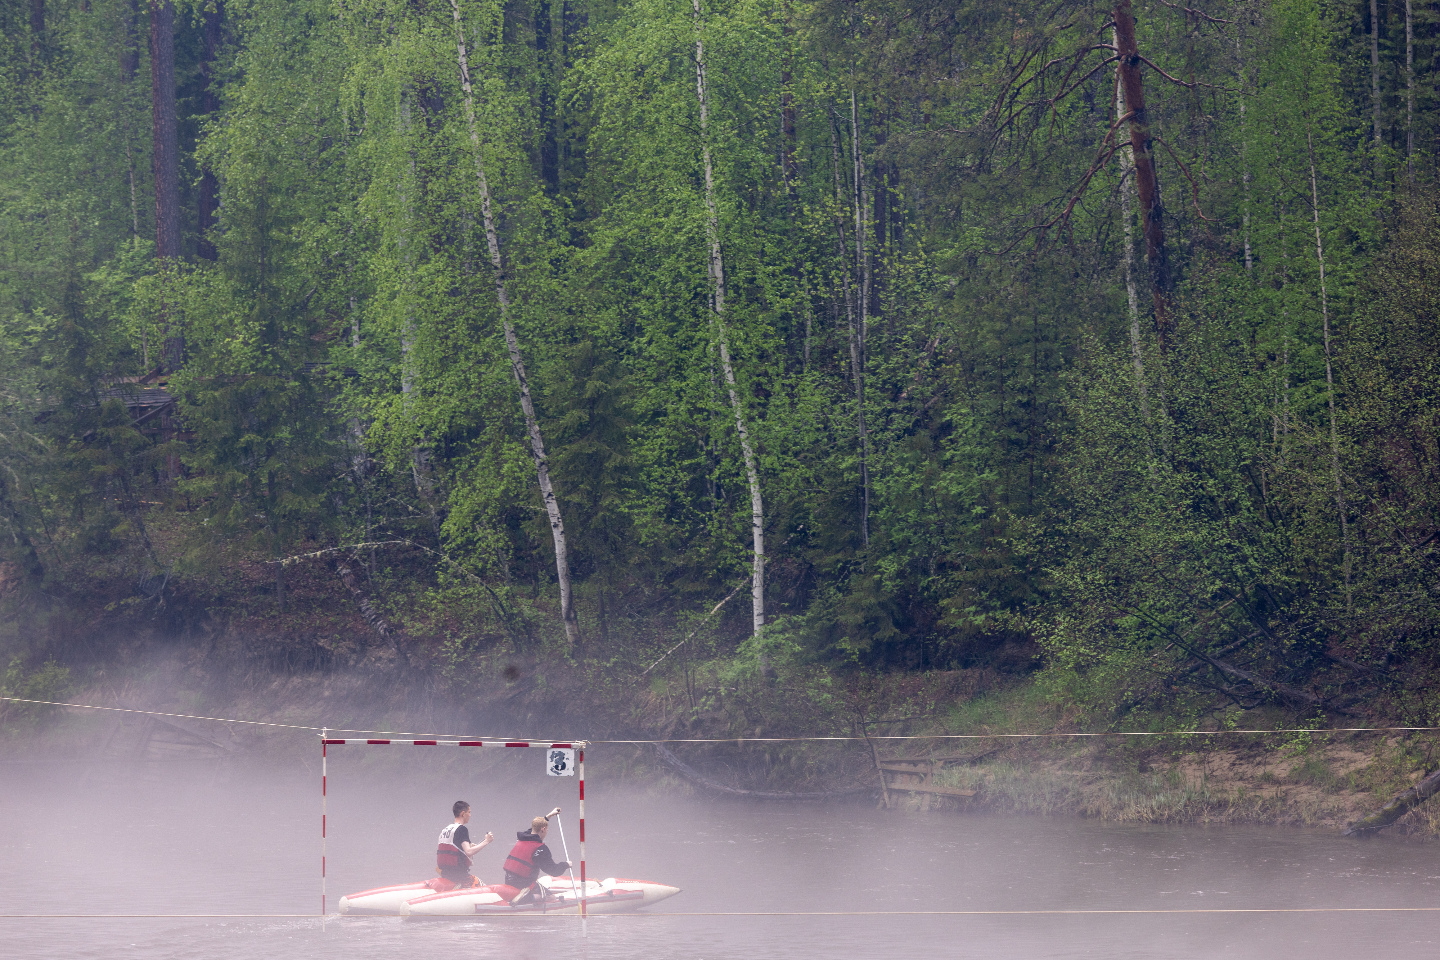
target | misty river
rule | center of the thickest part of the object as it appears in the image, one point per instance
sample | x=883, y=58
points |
x=187, y=838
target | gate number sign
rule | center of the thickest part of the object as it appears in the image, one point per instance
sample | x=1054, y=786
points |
x=560, y=762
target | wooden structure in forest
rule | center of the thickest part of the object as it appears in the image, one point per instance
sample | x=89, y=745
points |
x=153, y=409
x=917, y=775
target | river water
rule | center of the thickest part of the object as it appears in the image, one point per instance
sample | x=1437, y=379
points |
x=209, y=838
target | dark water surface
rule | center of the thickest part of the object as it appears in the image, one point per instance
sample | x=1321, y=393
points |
x=244, y=838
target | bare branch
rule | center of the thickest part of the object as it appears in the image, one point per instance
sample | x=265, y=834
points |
x=1194, y=187
x=1194, y=13
x=1073, y=87
x=1188, y=85
x=691, y=636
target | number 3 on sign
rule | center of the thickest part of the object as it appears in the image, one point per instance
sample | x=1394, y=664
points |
x=560, y=762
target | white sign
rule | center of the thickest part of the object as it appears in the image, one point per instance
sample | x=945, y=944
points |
x=560, y=762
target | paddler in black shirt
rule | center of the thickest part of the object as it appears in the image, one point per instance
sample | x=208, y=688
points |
x=454, y=852
x=530, y=857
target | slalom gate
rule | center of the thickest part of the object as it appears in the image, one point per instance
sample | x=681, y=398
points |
x=558, y=762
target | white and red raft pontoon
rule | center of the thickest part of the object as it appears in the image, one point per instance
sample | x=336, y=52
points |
x=440, y=898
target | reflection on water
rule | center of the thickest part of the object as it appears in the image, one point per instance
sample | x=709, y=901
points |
x=207, y=838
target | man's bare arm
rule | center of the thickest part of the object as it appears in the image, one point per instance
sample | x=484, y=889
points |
x=472, y=848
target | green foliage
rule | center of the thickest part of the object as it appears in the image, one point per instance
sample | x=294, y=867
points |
x=1244, y=518
x=50, y=682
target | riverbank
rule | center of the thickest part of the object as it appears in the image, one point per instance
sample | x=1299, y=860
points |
x=1312, y=780
x=1327, y=783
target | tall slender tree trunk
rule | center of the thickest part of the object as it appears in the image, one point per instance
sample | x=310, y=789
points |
x=166, y=161
x=717, y=280
x=1282, y=425
x=37, y=27
x=209, y=199
x=421, y=462
x=1147, y=182
x=512, y=344
x=1245, y=177
x=789, y=165
x=809, y=317
x=1375, y=80
x=843, y=258
x=166, y=168
x=1329, y=375
x=1127, y=193
x=129, y=62
x=856, y=358
x=1409, y=92
x=548, y=82
x=877, y=194
x=574, y=19
x=129, y=50
x=862, y=271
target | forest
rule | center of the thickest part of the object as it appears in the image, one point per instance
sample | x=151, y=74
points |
x=1089, y=345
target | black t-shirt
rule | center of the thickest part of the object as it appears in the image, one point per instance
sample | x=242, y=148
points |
x=461, y=837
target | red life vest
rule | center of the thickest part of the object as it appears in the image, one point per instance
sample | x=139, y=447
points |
x=449, y=858
x=521, y=860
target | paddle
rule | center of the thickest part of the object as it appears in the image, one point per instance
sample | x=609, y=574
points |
x=570, y=869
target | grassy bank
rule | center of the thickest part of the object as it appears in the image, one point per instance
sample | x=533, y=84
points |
x=1206, y=776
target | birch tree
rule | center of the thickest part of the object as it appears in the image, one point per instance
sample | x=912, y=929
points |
x=1302, y=166
x=1127, y=191
x=1340, y=507
x=722, y=337
x=512, y=343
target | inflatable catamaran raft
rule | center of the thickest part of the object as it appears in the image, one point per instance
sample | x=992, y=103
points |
x=562, y=895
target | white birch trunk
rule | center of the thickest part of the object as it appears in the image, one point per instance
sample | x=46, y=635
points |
x=1127, y=193
x=717, y=280
x=517, y=364
x=1329, y=375
x=862, y=270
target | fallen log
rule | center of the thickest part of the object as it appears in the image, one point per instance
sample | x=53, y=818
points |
x=693, y=775
x=1397, y=808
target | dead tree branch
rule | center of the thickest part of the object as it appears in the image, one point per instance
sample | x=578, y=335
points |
x=1194, y=187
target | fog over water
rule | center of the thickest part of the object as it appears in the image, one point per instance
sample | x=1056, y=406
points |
x=243, y=837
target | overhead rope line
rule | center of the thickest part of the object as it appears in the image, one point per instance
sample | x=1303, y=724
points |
x=753, y=913
x=802, y=739
x=256, y=723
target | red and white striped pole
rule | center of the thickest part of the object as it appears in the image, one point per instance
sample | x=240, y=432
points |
x=580, y=766
x=324, y=800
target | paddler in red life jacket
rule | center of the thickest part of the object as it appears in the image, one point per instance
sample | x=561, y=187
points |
x=530, y=857
x=454, y=851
